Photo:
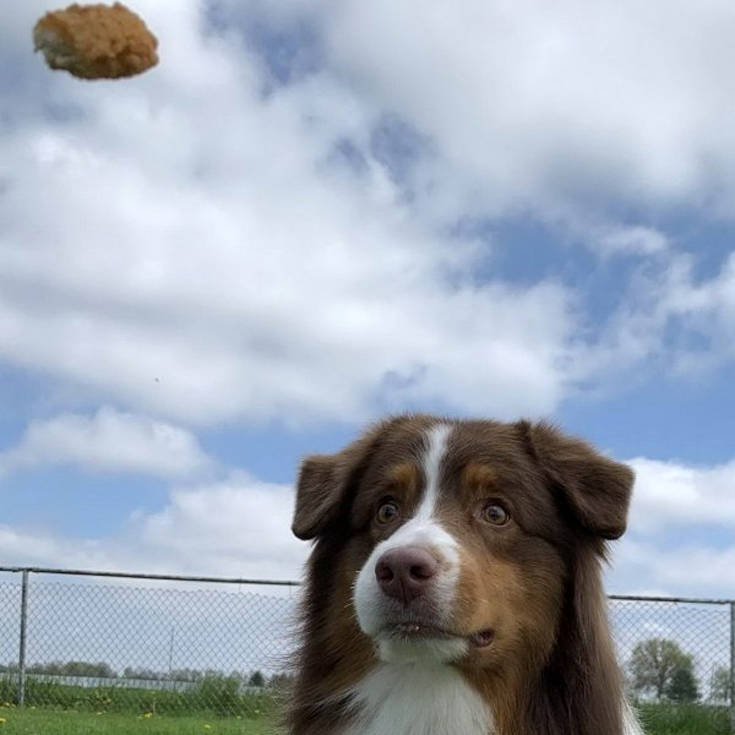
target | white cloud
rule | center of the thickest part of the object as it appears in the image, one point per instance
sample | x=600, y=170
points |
x=674, y=493
x=641, y=567
x=213, y=266
x=641, y=240
x=239, y=527
x=552, y=108
x=108, y=441
x=204, y=253
x=236, y=527
x=680, y=532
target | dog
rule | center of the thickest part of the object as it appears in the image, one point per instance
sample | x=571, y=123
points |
x=454, y=583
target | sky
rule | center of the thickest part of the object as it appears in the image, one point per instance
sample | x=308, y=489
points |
x=312, y=214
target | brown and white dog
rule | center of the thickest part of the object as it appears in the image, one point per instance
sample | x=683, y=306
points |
x=454, y=585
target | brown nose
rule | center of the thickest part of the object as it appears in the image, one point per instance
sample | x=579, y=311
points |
x=405, y=573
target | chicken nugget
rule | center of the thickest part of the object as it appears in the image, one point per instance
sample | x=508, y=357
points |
x=96, y=41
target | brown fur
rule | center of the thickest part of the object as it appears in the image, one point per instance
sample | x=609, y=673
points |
x=551, y=669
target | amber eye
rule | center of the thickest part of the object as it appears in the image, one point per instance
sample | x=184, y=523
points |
x=387, y=512
x=495, y=514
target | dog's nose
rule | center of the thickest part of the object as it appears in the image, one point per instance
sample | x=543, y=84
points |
x=405, y=573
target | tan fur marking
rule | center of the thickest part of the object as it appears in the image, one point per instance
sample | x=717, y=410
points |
x=479, y=478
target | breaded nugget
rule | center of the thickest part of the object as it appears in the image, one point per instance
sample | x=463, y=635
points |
x=96, y=41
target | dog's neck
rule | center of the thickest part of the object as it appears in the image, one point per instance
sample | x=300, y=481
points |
x=431, y=699
x=418, y=699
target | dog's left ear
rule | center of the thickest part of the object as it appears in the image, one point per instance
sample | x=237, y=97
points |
x=596, y=488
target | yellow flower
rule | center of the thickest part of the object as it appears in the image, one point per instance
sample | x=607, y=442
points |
x=207, y=727
x=147, y=715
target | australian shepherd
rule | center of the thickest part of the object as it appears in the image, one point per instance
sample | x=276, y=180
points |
x=454, y=584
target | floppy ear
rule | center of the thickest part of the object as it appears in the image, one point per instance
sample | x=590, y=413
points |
x=596, y=488
x=323, y=482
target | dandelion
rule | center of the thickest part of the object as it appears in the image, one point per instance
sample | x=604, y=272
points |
x=148, y=715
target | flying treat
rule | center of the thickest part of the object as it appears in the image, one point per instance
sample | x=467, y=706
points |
x=96, y=41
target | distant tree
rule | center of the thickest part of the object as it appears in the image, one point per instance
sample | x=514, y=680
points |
x=682, y=687
x=98, y=670
x=281, y=682
x=256, y=679
x=149, y=674
x=654, y=665
x=719, y=685
x=186, y=675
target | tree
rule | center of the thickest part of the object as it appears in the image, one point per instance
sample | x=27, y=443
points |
x=682, y=687
x=719, y=685
x=256, y=679
x=283, y=682
x=656, y=664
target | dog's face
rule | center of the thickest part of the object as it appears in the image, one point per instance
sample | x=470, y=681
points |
x=455, y=537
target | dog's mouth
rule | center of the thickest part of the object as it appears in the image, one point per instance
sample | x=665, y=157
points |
x=417, y=631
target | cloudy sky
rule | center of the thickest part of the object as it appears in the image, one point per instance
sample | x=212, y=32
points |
x=313, y=213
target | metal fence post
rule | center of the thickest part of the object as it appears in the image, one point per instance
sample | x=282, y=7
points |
x=23, y=631
x=732, y=666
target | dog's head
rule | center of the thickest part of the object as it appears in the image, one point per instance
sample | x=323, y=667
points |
x=455, y=540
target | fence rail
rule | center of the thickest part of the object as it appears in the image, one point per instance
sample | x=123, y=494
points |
x=176, y=643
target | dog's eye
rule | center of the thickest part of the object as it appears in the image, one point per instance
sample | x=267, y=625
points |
x=495, y=514
x=387, y=512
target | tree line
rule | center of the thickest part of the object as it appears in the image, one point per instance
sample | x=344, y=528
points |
x=102, y=670
x=660, y=669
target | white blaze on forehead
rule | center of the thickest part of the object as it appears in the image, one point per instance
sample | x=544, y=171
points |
x=423, y=528
x=438, y=437
x=374, y=609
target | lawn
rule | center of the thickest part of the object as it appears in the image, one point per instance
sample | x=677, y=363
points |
x=667, y=719
x=658, y=720
x=46, y=722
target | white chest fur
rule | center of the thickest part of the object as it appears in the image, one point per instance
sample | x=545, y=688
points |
x=419, y=699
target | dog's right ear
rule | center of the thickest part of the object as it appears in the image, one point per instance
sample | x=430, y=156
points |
x=318, y=491
x=323, y=482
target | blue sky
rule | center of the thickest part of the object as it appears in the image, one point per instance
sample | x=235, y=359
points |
x=309, y=215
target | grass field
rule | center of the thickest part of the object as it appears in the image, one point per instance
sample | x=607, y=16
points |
x=45, y=722
x=663, y=719
x=658, y=720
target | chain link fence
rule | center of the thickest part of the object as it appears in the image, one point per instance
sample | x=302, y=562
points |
x=149, y=644
x=144, y=644
x=678, y=658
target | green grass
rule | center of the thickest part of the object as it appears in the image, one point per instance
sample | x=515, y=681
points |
x=658, y=719
x=49, y=722
x=669, y=719
x=213, y=696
